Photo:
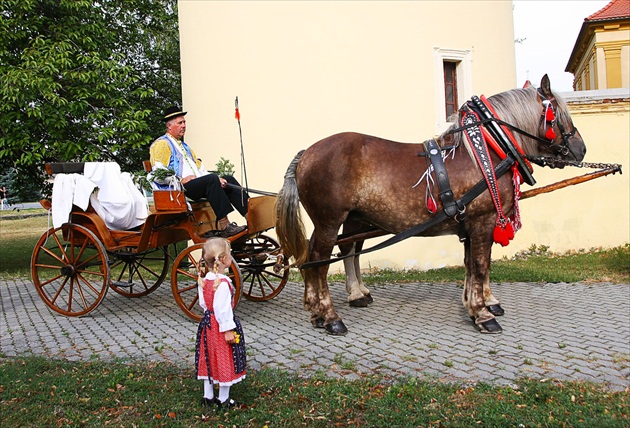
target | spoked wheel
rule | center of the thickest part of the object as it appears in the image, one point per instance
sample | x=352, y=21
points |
x=184, y=281
x=264, y=269
x=70, y=270
x=138, y=274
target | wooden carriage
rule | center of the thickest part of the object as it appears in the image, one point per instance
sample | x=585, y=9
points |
x=73, y=266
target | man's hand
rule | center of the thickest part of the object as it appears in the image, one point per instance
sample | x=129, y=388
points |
x=223, y=182
x=188, y=178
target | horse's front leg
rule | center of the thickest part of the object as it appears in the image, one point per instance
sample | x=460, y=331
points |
x=477, y=254
x=491, y=302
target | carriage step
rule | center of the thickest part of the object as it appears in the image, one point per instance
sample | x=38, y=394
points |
x=122, y=284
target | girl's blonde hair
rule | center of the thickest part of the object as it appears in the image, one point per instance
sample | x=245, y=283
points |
x=214, y=250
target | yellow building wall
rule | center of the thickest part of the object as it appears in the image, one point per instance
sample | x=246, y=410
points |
x=305, y=70
x=613, y=57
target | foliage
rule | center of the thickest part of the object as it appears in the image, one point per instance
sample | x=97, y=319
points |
x=225, y=167
x=84, y=81
x=144, y=178
x=19, y=190
x=35, y=391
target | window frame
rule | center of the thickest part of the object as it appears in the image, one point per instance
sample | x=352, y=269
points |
x=463, y=70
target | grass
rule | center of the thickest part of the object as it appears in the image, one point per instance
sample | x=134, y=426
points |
x=19, y=232
x=40, y=392
x=537, y=264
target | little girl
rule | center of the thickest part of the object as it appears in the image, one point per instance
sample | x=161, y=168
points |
x=220, y=347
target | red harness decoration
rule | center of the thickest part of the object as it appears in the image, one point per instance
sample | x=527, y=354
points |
x=479, y=139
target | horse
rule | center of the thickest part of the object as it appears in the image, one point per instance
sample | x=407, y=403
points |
x=365, y=184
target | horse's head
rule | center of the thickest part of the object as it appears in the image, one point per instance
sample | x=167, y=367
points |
x=542, y=122
x=556, y=127
x=558, y=138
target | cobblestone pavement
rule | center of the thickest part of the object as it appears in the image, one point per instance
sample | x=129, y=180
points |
x=559, y=331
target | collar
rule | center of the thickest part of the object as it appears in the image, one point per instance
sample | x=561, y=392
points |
x=168, y=135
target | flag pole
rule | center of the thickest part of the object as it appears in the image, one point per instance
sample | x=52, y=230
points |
x=237, y=115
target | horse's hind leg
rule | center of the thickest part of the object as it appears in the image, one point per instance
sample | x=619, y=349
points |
x=358, y=295
x=317, y=294
x=477, y=254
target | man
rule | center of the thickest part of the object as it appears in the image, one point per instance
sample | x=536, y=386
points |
x=170, y=151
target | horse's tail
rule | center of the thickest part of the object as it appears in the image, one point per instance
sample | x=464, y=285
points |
x=289, y=226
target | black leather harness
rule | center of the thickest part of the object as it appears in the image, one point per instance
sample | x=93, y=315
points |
x=433, y=153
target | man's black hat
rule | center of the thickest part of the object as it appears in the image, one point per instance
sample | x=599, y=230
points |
x=172, y=112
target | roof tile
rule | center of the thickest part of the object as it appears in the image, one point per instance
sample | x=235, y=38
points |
x=613, y=10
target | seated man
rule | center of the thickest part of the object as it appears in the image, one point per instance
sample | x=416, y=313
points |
x=170, y=151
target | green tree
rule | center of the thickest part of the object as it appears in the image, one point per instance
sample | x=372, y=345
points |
x=17, y=190
x=84, y=80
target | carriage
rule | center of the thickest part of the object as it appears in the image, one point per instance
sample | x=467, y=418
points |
x=74, y=265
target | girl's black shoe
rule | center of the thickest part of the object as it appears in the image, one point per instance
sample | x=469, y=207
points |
x=209, y=402
x=228, y=404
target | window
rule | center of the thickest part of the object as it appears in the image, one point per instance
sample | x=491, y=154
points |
x=450, y=87
x=453, y=82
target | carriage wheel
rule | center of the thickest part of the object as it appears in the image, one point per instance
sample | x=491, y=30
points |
x=264, y=269
x=184, y=281
x=70, y=270
x=138, y=274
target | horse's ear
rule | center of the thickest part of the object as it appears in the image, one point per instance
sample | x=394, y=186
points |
x=527, y=84
x=545, y=87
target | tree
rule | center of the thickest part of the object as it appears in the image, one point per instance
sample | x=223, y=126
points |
x=84, y=80
x=18, y=191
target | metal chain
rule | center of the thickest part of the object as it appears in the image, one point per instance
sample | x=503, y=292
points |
x=547, y=160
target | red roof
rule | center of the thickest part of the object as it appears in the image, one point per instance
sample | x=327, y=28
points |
x=614, y=10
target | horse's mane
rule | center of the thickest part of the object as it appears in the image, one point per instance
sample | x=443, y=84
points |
x=520, y=108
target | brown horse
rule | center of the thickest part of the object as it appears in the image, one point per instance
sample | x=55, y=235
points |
x=364, y=182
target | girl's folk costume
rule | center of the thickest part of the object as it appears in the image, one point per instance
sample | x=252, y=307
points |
x=215, y=359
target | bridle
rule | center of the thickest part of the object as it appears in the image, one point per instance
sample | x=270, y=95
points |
x=548, y=116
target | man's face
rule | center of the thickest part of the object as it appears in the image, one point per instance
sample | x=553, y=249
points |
x=177, y=127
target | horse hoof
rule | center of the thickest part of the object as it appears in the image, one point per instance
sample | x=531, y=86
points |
x=496, y=310
x=490, y=327
x=318, y=322
x=361, y=302
x=336, y=328
x=369, y=298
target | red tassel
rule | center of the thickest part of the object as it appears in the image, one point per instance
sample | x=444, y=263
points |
x=549, y=115
x=499, y=236
x=431, y=205
x=509, y=231
x=237, y=115
x=550, y=134
x=503, y=235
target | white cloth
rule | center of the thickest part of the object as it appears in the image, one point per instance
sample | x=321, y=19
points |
x=116, y=200
x=68, y=190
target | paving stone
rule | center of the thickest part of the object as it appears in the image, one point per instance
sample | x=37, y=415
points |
x=400, y=334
